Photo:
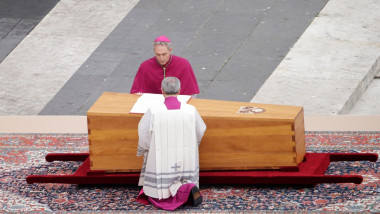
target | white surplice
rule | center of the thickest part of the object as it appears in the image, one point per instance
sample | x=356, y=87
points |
x=169, y=140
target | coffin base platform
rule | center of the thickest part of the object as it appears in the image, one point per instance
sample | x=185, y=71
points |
x=309, y=172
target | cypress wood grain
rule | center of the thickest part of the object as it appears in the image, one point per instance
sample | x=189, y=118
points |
x=233, y=141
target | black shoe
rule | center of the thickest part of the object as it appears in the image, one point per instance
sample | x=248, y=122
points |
x=196, y=197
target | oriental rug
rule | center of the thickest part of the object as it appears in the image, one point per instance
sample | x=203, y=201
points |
x=23, y=154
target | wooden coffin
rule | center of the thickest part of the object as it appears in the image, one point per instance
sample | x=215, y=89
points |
x=271, y=138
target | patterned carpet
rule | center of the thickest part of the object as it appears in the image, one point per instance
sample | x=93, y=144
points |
x=23, y=155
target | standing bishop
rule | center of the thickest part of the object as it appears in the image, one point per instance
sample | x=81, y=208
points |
x=152, y=71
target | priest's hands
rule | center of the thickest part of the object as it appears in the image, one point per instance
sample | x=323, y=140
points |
x=139, y=93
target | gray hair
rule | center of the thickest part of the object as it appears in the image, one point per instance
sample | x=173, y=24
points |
x=171, y=85
x=167, y=44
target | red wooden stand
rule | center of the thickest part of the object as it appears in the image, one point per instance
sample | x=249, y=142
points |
x=309, y=172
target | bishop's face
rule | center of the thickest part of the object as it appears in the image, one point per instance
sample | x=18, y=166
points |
x=162, y=54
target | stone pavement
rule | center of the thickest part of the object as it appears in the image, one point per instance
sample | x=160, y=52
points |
x=49, y=55
x=369, y=102
x=332, y=64
x=84, y=47
x=233, y=47
x=17, y=19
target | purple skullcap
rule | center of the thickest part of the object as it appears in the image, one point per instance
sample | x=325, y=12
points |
x=162, y=39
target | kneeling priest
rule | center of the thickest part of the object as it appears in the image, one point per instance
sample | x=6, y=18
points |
x=169, y=136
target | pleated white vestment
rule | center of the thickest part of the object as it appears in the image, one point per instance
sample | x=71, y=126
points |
x=169, y=140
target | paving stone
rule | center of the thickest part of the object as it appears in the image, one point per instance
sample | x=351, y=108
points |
x=274, y=32
x=17, y=19
x=368, y=103
x=111, y=84
x=215, y=36
x=71, y=100
x=125, y=69
x=233, y=46
x=26, y=9
x=206, y=60
x=129, y=38
x=43, y=62
x=6, y=25
x=333, y=62
x=223, y=88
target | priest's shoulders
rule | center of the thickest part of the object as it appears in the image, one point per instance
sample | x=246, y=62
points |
x=179, y=59
x=188, y=107
x=149, y=62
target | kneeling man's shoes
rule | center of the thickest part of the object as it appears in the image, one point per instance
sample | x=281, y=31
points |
x=196, y=196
